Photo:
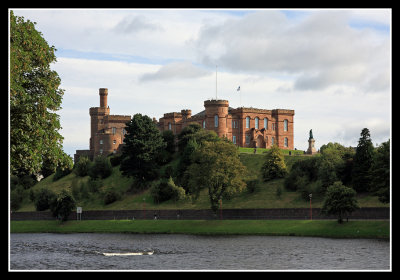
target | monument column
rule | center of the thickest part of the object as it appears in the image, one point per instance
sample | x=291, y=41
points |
x=311, y=149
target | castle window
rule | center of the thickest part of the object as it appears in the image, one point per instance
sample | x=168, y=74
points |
x=272, y=141
x=234, y=139
x=285, y=123
x=247, y=139
x=101, y=151
x=123, y=131
x=247, y=122
x=265, y=123
x=114, y=130
x=114, y=142
x=169, y=126
x=216, y=121
x=256, y=122
x=286, y=142
x=204, y=124
x=273, y=126
x=101, y=141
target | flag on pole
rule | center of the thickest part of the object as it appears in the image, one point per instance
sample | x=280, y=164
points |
x=238, y=89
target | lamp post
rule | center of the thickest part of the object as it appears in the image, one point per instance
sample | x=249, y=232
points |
x=144, y=208
x=220, y=209
x=310, y=195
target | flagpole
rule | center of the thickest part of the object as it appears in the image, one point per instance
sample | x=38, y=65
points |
x=216, y=96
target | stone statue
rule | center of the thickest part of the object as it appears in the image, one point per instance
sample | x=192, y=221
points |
x=311, y=135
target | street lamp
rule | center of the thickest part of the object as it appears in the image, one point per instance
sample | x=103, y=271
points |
x=310, y=195
x=144, y=208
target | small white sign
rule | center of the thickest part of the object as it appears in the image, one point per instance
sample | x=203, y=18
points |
x=78, y=210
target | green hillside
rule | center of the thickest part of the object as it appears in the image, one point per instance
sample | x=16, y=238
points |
x=265, y=195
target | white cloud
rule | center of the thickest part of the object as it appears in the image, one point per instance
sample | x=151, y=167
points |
x=175, y=70
x=321, y=50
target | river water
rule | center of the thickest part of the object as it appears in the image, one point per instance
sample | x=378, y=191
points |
x=47, y=251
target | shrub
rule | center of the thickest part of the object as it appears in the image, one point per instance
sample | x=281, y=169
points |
x=61, y=172
x=110, y=196
x=81, y=168
x=165, y=189
x=43, y=199
x=101, y=168
x=274, y=165
x=62, y=206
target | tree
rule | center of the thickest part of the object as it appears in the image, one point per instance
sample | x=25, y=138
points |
x=362, y=162
x=143, y=146
x=187, y=134
x=35, y=97
x=216, y=166
x=62, y=206
x=339, y=200
x=274, y=165
x=380, y=172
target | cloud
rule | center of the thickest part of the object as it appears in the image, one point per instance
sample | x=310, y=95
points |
x=134, y=24
x=319, y=50
x=175, y=70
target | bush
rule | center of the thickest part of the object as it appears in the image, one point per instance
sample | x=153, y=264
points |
x=101, y=168
x=81, y=168
x=16, y=197
x=110, y=196
x=165, y=190
x=43, y=199
x=62, y=206
x=274, y=165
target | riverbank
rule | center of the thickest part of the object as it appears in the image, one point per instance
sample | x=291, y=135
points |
x=315, y=228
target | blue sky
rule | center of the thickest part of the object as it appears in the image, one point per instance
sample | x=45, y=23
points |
x=333, y=67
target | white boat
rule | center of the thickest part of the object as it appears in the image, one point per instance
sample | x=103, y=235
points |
x=129, y=254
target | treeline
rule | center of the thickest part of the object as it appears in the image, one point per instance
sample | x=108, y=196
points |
x=365, y=169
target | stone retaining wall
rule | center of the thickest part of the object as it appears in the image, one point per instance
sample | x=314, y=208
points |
x=226, y=214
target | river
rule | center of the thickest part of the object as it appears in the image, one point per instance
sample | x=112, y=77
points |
x=96, y=251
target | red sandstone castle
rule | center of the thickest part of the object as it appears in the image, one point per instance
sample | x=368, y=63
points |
x=245, y=127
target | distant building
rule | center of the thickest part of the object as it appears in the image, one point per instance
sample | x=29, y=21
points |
x=245, y=127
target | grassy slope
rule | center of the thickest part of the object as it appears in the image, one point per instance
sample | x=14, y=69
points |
x=264, y=197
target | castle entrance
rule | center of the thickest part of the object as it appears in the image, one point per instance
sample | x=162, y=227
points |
x=260, y=142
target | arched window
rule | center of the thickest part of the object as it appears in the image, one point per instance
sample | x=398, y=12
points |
x=256, y=122
x=272, y=141
x=216, y=120
x=247, y=122
x=169, y=126
x=285, y=122
x=286, y=142
x=204, y=124
x=265, y=123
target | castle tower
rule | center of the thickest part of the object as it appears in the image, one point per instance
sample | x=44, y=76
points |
x=97, y=115
x=216, y=115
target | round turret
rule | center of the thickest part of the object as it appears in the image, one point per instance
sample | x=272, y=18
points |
x=216, y=116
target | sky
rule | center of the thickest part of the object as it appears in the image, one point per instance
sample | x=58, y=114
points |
x=332, y=66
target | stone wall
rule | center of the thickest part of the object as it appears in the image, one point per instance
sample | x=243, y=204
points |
x=227, y=214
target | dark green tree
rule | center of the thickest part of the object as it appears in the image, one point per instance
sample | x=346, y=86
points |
x=62, y=206
x=35, y=97
x=187, y=134
x=339, y=200
x=380, y=171
x=274, y=165
x=363, y=159
x=143, y=146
